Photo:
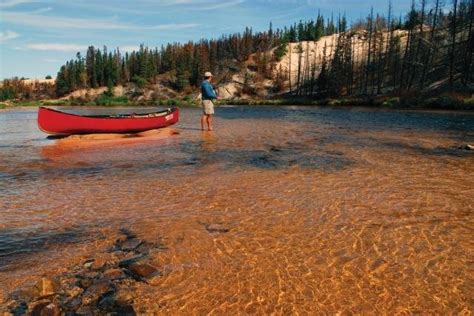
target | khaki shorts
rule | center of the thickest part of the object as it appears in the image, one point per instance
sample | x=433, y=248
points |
x=207, y=107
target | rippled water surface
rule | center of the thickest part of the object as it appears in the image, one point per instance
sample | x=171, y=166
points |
x=328, y=210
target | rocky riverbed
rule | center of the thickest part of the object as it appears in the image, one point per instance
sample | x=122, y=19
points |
x=101, y=285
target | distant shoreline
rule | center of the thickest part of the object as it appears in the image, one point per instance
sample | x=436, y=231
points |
x=438, y=103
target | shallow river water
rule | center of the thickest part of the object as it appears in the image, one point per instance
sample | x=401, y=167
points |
x=327, y=210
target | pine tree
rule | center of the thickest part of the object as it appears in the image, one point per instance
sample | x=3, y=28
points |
x=62, y=86
x=91, y=67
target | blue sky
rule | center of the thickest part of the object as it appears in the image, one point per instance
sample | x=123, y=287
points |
x=38, y=36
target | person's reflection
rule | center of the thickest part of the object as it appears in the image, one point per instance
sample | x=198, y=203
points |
x=209, y=142
x=208, y=147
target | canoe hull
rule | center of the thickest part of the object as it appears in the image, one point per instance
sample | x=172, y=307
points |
x=59, y=123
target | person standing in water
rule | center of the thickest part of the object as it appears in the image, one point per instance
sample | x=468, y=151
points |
x=208, y=95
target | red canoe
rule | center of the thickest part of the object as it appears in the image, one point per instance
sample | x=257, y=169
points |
x=56, y=122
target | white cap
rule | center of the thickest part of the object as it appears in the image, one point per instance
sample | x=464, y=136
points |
x=208, y=74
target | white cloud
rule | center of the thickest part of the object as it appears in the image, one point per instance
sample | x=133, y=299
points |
x=197, y=4
x=57, y=47
x=173, y=2
x=174, y=26
x=13, y=3
x=52, y=60
x=153, y=7
x=8, y=35
x=220, y=5
x=43, y=10
x=201, y=5
x=42, y=21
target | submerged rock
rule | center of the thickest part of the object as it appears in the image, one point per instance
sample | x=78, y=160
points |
x=98, y=264
x=74, y=291
x=22, y=295
x=276, y=149
x=144, y=248
x=128, y=261
x=465, y=147
x=111, y=303
x=88, y=263
x=46, y=287
x=17, y=308
x=129, y=244
x=143, y=272
x=113, y=274
x=95, y=264
x=86, y=279
x=217, y=228
x=124, y=296
x=85, y=283
x=45, y=308
x=96, y=290
x=116, y=303
x=73, y=303
x=155, y=279
x=84, y=310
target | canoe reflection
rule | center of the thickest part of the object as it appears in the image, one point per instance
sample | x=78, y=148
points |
x=77, y=144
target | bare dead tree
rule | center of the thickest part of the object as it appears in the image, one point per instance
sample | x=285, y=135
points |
x=453, y=44
x=430, y=47
x=406, y=55
x=469, y=47
x=369, y=52
x=415, y=65
x=289, y=67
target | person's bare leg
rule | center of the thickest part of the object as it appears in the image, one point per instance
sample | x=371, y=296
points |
x=203, y=120
x=209, y=122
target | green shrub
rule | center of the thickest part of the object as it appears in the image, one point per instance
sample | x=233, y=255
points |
x=76, y=101
x=28, y=103
x=392, y=102
x=280, y=51
x=7, y=93
x=172, y=102
x=110, y=90
x=108, y=100
x=469, y=102
x=139, y=81
x=445, y=102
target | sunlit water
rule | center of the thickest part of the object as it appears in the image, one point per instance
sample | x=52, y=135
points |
x=328, y=210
